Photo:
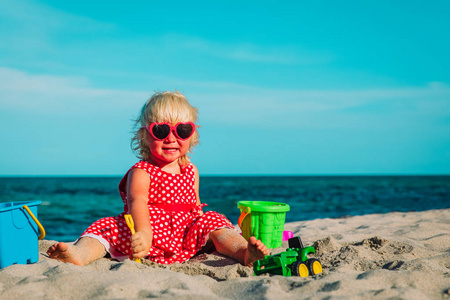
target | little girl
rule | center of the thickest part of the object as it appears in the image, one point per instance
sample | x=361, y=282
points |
x=161, y=192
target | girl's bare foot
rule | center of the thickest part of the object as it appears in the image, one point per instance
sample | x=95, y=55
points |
x=256, y=250
x=230, y=243
x=84, y=251
x=65, y=253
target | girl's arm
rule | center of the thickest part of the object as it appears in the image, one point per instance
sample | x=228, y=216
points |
x=196, y=184
x=138, y=184
x=196, y=187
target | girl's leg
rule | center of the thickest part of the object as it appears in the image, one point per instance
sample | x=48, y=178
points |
x=83, y=252
x=230, y=243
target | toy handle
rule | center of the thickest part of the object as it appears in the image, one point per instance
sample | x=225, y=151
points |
x=41, y=228
x=244, y=213
x=130, y=223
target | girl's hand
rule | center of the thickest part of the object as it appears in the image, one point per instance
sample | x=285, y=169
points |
x=141, y=242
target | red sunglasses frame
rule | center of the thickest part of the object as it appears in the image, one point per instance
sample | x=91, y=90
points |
x=173, y=128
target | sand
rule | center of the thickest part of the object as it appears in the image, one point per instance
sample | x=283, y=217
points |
x=379, y=256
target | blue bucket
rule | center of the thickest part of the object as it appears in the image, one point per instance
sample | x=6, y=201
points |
x=19, y=233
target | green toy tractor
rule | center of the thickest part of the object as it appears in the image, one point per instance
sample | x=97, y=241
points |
x=292, y=262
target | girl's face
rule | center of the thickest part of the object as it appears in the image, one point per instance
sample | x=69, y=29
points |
x=168, y=150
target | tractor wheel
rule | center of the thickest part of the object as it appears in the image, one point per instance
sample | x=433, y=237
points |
x=299, y=268
x=314, y=266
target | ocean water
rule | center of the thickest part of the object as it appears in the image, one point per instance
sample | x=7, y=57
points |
x=71, y=204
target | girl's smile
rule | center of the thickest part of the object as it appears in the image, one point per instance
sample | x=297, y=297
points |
x=170, y=150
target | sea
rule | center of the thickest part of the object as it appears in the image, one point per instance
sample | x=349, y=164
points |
x=70, y=204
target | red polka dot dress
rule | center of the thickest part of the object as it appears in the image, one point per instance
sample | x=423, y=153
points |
x=179, y=231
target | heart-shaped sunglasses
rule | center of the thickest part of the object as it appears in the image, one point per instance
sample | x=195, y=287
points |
x=161, y=131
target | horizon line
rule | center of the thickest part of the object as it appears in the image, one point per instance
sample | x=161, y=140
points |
x=238, y=175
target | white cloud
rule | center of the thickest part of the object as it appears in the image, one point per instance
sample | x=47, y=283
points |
x=326, y=109
x=33, y=25
x=249, y=52
x=47, y=93
x=29, y=25
x=42, y=18
x=228, y=102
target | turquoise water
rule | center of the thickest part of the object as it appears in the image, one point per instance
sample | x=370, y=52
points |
x=70, y=204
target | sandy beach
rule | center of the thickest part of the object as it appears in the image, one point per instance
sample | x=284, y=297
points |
x=379, y=256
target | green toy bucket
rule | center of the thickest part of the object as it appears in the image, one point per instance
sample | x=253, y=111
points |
x=263, y=220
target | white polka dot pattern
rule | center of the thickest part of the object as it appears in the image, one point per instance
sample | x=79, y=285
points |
x=177, y=235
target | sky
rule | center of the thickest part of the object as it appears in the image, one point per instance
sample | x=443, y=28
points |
x=282, y=87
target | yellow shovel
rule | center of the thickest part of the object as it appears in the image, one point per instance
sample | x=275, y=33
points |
x=130, y=224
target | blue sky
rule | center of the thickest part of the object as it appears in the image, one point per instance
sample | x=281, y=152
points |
x=286, y=87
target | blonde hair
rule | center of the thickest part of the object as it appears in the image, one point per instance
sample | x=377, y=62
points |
x=167, y=106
